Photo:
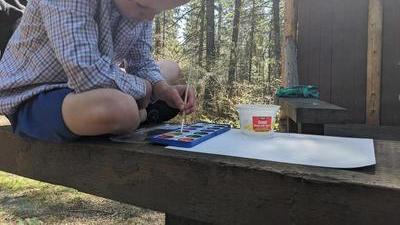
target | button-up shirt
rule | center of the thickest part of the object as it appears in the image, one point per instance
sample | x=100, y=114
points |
x=78, y=44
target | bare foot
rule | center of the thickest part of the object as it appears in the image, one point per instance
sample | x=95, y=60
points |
x=143, y=115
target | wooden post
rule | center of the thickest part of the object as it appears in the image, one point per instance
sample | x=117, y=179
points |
x=290, y=75
x=374, y=64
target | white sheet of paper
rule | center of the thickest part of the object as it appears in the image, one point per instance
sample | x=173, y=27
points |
x=312, y=150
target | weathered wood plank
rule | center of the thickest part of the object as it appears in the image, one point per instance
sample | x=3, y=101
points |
x=349, y=56
x=374, y=62
x=176, y=220
x=315, y=38
x=363, y=131
x=313, y=111
x=332, y=51
x=211, y=188
x=390, y=96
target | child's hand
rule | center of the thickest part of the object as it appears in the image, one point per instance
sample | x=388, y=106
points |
x=174, y=96
x=190, y=106
x=144, y=102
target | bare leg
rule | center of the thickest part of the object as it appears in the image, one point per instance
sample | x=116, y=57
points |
x=171, y=71
x=100, y=111
x=109, y=111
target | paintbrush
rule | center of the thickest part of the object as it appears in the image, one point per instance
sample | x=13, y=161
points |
x=184, y=106
x=185, y=99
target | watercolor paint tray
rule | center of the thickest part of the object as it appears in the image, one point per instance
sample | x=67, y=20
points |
x=192, y=135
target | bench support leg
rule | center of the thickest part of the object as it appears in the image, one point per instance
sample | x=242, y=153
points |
x=291, y=126
x=299, y=128
x=176, y=220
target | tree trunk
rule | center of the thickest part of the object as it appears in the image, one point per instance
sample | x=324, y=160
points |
x=157, y=36
x=210, y=53
x=292, y=78
x=277, y=36
x=220, y=11
x=251, y=38
x=163, y=30
x=235, y=37
x=201, y=33
x=270, y=66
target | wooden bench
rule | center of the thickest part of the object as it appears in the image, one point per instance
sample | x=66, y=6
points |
x=193, y=187
x=305, y=115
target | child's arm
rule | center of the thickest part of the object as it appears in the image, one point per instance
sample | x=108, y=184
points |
x=73, y=33
x=140, y=61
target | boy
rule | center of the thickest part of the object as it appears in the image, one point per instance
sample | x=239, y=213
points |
x=59, y=76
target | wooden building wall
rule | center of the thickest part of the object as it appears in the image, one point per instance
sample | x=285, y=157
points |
x=332, y=53
x=390, y=98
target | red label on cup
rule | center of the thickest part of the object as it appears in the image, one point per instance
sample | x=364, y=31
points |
x=262, y=123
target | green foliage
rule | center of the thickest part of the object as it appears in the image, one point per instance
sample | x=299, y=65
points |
x=221, y=106
x=256, y=77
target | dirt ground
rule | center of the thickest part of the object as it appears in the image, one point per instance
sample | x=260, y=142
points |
x=27, y=202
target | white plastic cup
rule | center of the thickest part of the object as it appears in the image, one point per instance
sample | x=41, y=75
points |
x=257, y=119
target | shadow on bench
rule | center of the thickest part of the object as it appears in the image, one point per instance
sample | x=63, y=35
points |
x=363, y=131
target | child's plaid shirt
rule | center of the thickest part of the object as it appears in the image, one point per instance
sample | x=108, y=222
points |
x=77, y=44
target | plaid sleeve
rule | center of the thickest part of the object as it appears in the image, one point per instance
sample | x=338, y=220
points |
x=73, y=33
x=140, y=61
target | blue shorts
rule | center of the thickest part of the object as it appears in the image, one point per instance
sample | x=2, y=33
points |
x=40, y=117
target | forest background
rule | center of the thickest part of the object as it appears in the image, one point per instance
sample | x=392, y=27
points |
x=230, y=48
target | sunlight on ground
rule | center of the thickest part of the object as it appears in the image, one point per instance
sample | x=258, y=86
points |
x=27, y=202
